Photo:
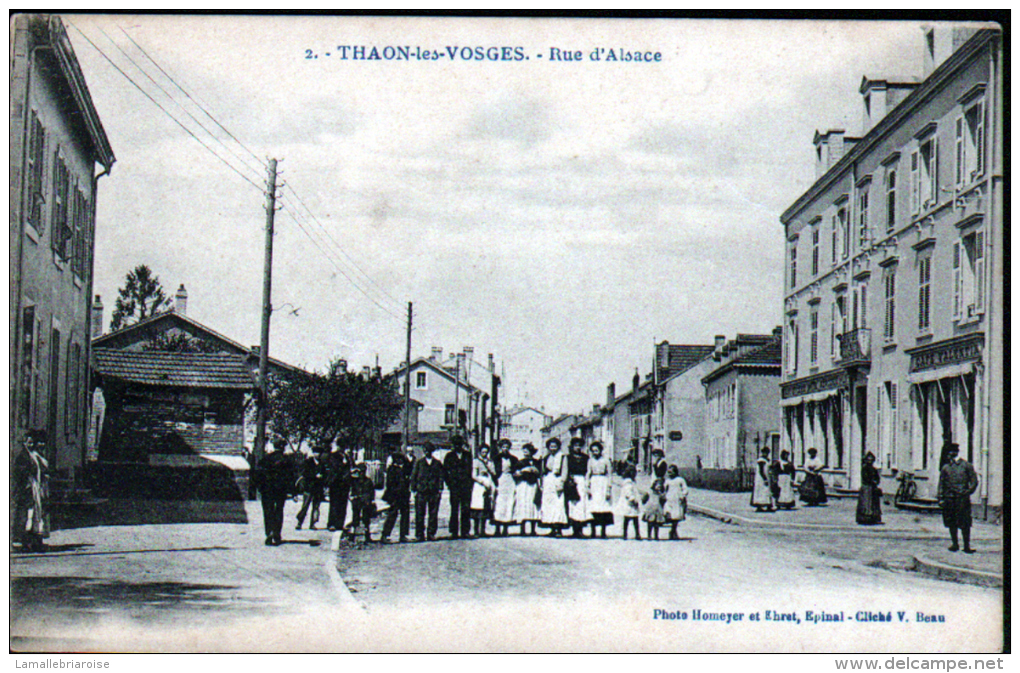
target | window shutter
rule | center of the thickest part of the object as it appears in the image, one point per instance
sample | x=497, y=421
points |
x=894, y=419
x=934, y=174
x=915, y=181
x=979, y=271
x=864, y=306
x=880, y=423
x=957, y=279
x=961, y=161
x=979, y=141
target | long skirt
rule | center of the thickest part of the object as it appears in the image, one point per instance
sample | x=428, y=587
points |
x=525, y=508
x=600, y=503
x=480, y=501
x=869, y=505
x=761, y=496
x=554, y=509
x=786, y=496
x=577, y=510
x=505, y=490
x=812, y=489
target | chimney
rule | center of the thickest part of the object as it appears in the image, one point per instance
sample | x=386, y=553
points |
x=437, y=354
x=596, y=409
x=829, y=148
x=662, y=355
x=492, y=363
x=777, y=332
x=342, y=366
x=469, y=352
x=181, y=303
x=880, y=95
x=610, y=393
x=377, y=372
x=720, y=343
x=636, y=382
x=366, y=372
x=941, y=41
x=97, y=318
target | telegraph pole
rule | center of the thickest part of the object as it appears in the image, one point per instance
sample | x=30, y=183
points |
x=407, y=378
x=267, y=312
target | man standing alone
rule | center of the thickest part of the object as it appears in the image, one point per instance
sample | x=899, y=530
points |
x=957, y=482
x=427, y=484
x=457, y=466
x=398, y=494
x=274, y=479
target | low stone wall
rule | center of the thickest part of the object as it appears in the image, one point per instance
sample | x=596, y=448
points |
x=713, y=479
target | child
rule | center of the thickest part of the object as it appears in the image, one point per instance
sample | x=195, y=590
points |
x=362, y=501
x=652, y=511
x=630, y=503
x=675, y=508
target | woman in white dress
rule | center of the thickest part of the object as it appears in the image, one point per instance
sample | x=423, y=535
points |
x=483, y=474
x=600, y=503
x=506, y=488
x=676, y=500
x=554, y=505
x=527, y=473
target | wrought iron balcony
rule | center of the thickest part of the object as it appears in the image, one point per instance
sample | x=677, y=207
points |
x=855, y=347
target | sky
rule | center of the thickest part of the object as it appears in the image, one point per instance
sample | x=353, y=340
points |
x=562, y=215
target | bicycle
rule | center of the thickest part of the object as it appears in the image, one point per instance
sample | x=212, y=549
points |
x=907, y=490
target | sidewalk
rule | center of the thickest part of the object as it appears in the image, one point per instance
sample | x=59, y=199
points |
x=838, y=517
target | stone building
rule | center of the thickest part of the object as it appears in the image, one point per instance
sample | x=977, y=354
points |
x=58, y=153
x=893, y=294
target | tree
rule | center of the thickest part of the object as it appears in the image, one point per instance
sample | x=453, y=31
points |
x=141, y=297
x=178, y=342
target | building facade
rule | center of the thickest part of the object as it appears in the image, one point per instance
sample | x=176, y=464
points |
x=678, y=418
x=523, y=425
x=894, y=276
x=56, y=144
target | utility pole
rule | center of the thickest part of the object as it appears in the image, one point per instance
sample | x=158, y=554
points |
x=267, y=312
x=407, y=379
x=456, y=396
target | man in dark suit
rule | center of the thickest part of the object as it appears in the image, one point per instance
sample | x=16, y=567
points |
x=427, y=485
x=313, y=482
x=338, y=482
x=275, y=479
x=459, y=481
x=957, y=482
x=398, y=494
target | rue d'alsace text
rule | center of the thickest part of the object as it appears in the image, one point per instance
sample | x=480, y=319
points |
x=795, y=617
x=481, y=54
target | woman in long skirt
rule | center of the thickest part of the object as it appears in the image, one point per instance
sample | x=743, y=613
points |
x=577, y=491
x=869, y=498
x=676, y=500
x=527, y=473
x=600, y=503
x=812, y=489
x=554, y=507
x=785, y=472
x=483, y=474
x=506, y=488
x=761, y=496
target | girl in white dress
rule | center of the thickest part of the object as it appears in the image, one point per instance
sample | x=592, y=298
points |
x=600, y=504
x=554, y=505
x=630, y=502
x=676, y=500
x=527, y=473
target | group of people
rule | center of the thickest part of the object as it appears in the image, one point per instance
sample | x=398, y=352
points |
x=774, y=488
x=559, y=491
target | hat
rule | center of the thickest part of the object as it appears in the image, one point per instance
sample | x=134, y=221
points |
x=428, y=447
x=457, y=440
x=596, y=443
x=658, y=451
x=576, y=441
x=504, y=442
x=953, y=447
x=553, y=440
x=528, y=448
x=360, y=467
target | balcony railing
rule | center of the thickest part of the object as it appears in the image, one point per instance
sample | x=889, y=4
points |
x=855, y=347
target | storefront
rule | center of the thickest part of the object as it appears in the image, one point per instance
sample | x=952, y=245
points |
x=814, y=416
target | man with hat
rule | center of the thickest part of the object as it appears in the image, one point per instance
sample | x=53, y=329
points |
x=274, y=478
x=957, y=482
x=398, y=494
x=427, y=485
x=459, y=481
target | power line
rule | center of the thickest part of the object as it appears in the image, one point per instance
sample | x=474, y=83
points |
x=257, y=171
x=167, y=113
x=340, y=249
x=191, y=98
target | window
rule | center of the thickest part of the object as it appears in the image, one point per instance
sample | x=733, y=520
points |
x=79, y=242
x=924, y=293
x=816, y=234
x=61, y=223
x=924, y=175
x=890, y=304
x=28, y=359
x=449, y=415
x=863, y=233
x=834, y=310
x=890, y=199
x=888, y=418
x=793, y=264
x=844, y=226
x=36, y=170
x=791, y=346
x=859, y=309
x=970, y=144
x=835, y=240
x=814, y=335
x=421, y=381
x=968, y=276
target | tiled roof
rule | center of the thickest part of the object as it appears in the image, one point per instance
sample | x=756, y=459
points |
x=770, y=353
x=181, y=370
x=682, y=357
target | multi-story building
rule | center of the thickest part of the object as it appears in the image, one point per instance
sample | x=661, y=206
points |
x=894, y=276
x=523, y=425
x=678, y=410
x=741, y=395
x=57, y=142
x=560, y=428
